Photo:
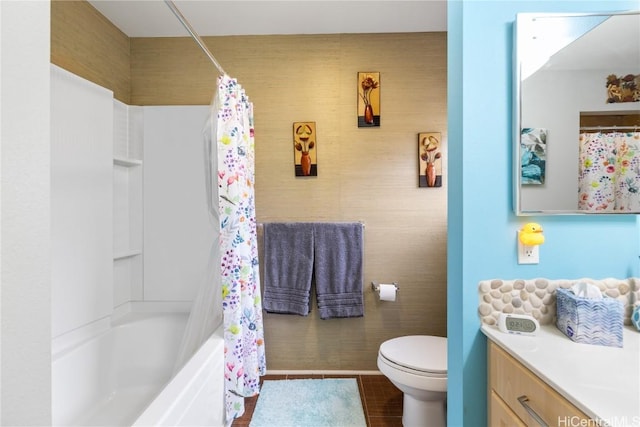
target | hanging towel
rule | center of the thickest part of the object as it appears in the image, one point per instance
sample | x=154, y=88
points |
x=288, y=253
x=338, y=264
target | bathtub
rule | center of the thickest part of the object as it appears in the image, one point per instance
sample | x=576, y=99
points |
x=121, y=375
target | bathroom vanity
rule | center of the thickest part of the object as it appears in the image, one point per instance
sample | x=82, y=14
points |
x=549, y=379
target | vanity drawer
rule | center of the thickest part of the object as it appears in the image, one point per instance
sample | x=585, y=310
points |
x=500, y=415
x=511, y=380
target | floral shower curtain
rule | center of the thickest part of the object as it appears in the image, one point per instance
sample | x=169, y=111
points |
x=241, y=299
x=609, y=171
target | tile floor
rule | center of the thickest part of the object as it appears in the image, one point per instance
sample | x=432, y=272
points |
x=381, y=400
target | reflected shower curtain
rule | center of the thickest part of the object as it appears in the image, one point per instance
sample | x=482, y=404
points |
x=609, y=172
x=232, y=126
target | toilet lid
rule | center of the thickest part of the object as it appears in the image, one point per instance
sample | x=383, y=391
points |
x=420, y=352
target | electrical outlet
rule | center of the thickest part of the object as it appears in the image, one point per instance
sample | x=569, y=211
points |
x=528, y=254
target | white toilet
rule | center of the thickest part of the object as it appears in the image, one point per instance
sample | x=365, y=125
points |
x=417, y=365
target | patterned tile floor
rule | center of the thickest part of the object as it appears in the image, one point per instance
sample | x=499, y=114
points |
x=381, y=400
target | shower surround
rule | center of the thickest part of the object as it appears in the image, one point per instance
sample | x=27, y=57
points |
x=128, y=263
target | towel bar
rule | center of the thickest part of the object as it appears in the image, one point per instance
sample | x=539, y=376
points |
x=260, y=224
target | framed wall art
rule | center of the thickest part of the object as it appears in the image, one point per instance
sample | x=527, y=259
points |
x=533, y=155
x=305, y=147
x=430, y=159
x=623, y=88
x=368, y=99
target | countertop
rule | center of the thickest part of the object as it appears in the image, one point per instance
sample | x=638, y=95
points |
x=603, y=382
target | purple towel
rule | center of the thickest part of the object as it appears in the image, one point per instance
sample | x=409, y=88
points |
x=338, y=264
x=288, y=253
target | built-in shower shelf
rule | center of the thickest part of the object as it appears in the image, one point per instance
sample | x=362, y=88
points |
x=122, y=161
x=127, y=254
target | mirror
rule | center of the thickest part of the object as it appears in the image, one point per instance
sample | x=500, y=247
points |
x=576, y=84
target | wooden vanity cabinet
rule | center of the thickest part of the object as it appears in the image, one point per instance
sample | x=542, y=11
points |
x=518, y=397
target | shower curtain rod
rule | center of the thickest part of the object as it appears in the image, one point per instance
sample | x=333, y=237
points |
x=193, y=34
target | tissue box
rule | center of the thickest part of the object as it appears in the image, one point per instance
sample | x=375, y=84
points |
x=589, y=321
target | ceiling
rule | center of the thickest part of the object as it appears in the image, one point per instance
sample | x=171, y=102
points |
x=614, y=42
x=557, y=42
x=153, y=18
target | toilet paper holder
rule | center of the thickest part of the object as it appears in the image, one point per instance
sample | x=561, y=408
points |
x=376, y=287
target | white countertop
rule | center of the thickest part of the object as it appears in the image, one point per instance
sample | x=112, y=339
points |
x=603, y=382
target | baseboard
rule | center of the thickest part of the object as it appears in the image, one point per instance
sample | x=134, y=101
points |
x=321, y=372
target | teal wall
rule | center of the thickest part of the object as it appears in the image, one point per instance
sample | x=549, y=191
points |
x=481, y=225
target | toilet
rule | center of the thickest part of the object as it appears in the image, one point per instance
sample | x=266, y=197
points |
x=417, y=365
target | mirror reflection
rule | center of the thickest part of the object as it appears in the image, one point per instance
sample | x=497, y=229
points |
x=577, y=113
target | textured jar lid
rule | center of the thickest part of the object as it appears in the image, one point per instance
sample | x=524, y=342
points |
x=420, y=352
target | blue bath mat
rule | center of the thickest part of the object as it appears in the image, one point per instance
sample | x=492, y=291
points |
x=309, y=403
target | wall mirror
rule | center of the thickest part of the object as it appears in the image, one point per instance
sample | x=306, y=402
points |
x=576, y=113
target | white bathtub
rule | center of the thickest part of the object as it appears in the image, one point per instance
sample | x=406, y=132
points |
x=120, y=376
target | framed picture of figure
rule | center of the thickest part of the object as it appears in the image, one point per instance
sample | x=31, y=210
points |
x=305, y=146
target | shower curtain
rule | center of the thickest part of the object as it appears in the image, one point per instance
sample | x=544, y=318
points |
x=241, y=299
x=230, y=291
x=609, y=171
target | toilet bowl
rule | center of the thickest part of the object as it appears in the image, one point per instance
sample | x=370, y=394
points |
x=417, y=365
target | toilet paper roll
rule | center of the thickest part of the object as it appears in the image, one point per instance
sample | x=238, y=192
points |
x=387, y=292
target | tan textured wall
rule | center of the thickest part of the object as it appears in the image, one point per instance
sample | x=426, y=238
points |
x=84, y=42
x=367, y=175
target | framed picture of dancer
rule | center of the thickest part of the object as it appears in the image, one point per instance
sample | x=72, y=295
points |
x=305, y=146
x=368, y=99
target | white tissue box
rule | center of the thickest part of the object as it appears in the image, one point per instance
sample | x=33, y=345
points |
x=589, y=321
